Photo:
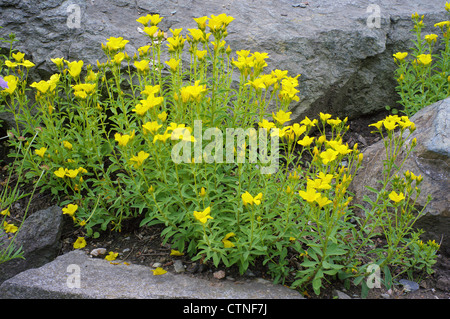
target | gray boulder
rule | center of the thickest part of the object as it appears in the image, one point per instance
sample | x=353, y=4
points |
x=342, y=48
x=40, y=240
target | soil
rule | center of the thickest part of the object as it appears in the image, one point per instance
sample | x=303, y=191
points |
x=143, y=245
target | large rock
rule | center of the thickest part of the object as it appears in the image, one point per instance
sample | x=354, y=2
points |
x=430, y=158
x=40, y=240
x=343, y=54
x=75, y=275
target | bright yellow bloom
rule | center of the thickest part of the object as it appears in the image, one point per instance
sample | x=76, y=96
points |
x=173, y=64
x=123, y=139
x=27, y=64
x=307, y=122
x=266, y=124
x=389, y=125
x=71, y=173
x=227, y=243
x=147, y=104
x=424, y=59
x=306, y=141
x=192, y=92
x=139, y=159
x=59, y=62
x=248, y=199
x=324, y=117
x=201, y=54
x=9, y=228
x=115, y=44
x=70, y=209
x=142, y=66
x=40, y=152
x=151, y=90
x=201, y=22
x=67, y=145
x=75, y=68
x=151, y=127
x=202, y=192
x=174, y=252
x=328, y=156
x=79, y=243
x=282, y=117
x=151, y=31
x=111, y=256
x=334, y=122
x=12, y=84
x=400, y=56
x=61, y=172
x=5, y=212
x=442, y=24
x=118, y=58
x=322, y=201
x=18, y=56
x=310, y=195
x=10, y=64
x=396, y=197
x=159, y=271
x=163, y=116
x=431, y=37
x=203, y=216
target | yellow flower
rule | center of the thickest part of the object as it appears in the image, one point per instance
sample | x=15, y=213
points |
x=201, y=54
x=118, y=58
x=334, y=122
x=442, y=24
x=10, y=64
x=71, y=173
x=115, y=44
x=324, y=117
x=174, y=252
x=163, y=116
x=151, y=127
x=67, y=145
x=396, y=197
x=12, y=83
x=248, y=199
x=202, y=192
x=27, y=64
x=70, y=209
x=307, y=122
x=123, y=139
x=389, y=125
x=139, y=159
x=282, y=117
x=159, y=271
x=79, y=243
x=5, y=212
x=9, y=228
x=151, y=90
x=203, y=216
x=431, y=37
x=400, y=56
x=378, y=124
x=111, y=256
x=40, y=152
x=328, y=156
x=266, y=124
x=75, y=68
x=310, y=195
x=151, y=31
x=59, y=62
x=322, y=201
x=142, y=66
x=18, y=56
x=306, y=140
x=173, y=64
x=424, y=59
x=201, y=22
x=227, y=243
x=61, y=172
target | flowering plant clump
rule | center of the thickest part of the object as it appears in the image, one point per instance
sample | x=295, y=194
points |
x=422, y=74
x=134, y=139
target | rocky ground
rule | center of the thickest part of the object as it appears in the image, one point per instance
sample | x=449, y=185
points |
x=143, y=245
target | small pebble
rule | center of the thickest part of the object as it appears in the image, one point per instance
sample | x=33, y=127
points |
x=98, y=251
x=178, y=266
x=409, y=285
x=219, y=274
x=156, y=265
